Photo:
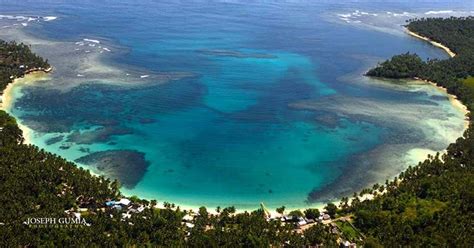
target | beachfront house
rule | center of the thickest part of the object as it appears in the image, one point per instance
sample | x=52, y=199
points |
x=188, y=218
x=301, y=221
x=348, y=244
x=124, y=201
x=118, y=204
x=324, y=216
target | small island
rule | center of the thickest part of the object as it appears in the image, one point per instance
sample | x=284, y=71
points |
x=427, y=205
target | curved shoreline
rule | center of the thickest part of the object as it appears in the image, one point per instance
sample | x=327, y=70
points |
x=34, y=77
x=7, y=104
x=452, y=98
x=8, y=99
x=421, y=154
x=434, y=43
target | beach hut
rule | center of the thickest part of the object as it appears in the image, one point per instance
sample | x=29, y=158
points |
x=288, y=218
x=309, y=221
x=188, y=218
x=326, y=217
x=349, y=244
x=124, y=201
x=301, y=221
x=117, y=206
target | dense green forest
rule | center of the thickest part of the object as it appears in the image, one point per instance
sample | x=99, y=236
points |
x=431, y=204
x=38, y=184
x=16, y=60
x=455, y=33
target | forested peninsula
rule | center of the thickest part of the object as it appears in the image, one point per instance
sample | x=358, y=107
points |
x=431, y=204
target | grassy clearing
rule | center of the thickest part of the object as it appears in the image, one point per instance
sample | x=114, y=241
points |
x=419, y=207
x=469, y=82
x=348, y=231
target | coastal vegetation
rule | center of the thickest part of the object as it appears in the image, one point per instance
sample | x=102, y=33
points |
x=452, y=74
x=37, y=186
x=431, y=204
x=16, y=60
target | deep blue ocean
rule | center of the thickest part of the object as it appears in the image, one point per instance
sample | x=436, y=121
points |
x=231, y=102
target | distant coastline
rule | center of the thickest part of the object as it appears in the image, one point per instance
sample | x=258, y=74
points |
x=452, y=98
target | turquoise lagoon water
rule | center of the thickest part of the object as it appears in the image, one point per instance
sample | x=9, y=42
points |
x=231, y=103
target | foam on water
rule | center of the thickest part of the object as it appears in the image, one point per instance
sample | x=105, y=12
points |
x=49, y=18
x=230, y=110
x=92, y=40
x=390, y=21
x=437, y=12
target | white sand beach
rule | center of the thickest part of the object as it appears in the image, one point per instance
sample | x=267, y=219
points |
x=8, y=97
x=434, y=43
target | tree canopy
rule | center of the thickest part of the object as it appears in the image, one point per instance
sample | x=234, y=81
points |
x=431, y=204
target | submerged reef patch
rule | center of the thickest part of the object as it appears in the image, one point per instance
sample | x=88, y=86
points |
x=405, y=132
x=236, y=54
x=128, y=166
x=54, y=140
x=101, y=134
x=327, y=119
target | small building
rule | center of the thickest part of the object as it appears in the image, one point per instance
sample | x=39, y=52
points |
x=117, y=207
x=136, y=210
x=115, y=204
x=288, y=218
x=309, y=221
x=301, y=221
x=188, y=218
x=133, y=210
x=349, y=244
x=334, y=228
x=124, y=201
x=326, y=217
